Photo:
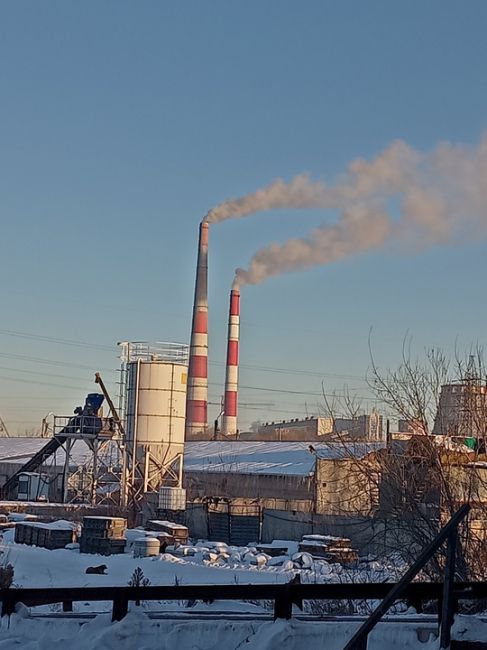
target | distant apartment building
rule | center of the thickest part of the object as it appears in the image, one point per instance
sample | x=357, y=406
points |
x=311, y=428
x=363, y=427
x=368, y=427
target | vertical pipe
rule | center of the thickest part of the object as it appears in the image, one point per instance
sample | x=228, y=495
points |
x=67, y=447
x=197, y=386
x=94, y=483
x=135, y=424
x=229, y=422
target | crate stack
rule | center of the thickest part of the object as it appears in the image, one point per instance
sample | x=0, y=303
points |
x=178, y=532
x=51, y=536
x=329, y=548
x=103, y=535
x=23, y=533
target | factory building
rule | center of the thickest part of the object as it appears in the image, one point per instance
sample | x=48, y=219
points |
x=365, y=428
x=310, y=428
x=280, y=490
x=276, y=487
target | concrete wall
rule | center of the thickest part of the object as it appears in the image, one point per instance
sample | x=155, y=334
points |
x=232, y=485
x=346, y=487
x=369, y=535
x=363, y=532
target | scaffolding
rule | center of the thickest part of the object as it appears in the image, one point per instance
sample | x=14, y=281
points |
x=100, y=479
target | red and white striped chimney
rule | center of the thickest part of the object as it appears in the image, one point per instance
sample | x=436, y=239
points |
x=229, y=420
x=197, y=388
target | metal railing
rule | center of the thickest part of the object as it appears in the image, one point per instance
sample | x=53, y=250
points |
x=84, y=426
x=157, y=351
x=284, y=596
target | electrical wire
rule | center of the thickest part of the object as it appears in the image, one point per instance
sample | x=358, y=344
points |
x=58, y=341
x=52, y=362
x=36, y=372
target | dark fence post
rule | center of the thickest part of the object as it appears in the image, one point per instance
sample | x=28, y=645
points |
x=283, y=604
x=417, y=603
x=448, y=604
x=67, y=605
x=120, y=607
x=8, y=604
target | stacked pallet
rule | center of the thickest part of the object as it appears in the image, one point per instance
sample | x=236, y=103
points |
x=103, y=535
x=271, y=550
x=330, y=548
x=51, y=536
x=178, y=532
x=23, y=533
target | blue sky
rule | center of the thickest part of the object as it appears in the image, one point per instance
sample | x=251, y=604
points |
x=122, y=123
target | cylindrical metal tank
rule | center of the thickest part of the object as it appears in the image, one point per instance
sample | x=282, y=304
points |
x=147, y=547
x=156, y=401
x=155, y=376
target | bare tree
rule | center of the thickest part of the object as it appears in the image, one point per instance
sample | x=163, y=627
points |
x=426, y=479
x=422, y=479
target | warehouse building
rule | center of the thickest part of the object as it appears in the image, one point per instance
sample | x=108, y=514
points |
x=273, y=489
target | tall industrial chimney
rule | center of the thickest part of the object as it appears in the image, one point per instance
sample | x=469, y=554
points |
x=197, y=393
x=229, y=421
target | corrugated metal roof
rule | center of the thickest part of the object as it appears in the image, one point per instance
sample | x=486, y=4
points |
x=245, y=457
x=263, y=457
x=19, y=450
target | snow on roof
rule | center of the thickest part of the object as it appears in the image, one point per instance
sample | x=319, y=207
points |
x=19, y=450
x=263, y=457
x=245, y=457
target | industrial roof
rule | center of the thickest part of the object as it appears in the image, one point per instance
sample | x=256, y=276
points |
x=19, y=450
x=245, y=457
x=264, y=457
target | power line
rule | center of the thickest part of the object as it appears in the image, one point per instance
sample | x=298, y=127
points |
x=286, y=391
x=96, y=346
x=42, y=383
x=25, y=397
x=291, y=371
x=36, y=372
x=51, y=362
x=58, y=341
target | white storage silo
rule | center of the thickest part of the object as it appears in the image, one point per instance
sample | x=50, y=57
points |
x=155, y=377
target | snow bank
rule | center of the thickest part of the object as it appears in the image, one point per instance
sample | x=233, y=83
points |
x=137, y=631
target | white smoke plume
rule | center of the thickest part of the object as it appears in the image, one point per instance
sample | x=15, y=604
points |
x=358, y=229
x=438, y=197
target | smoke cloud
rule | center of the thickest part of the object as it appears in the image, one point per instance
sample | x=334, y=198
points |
x=401, y=195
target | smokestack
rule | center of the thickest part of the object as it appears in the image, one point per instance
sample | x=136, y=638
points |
x=229, y=422
x=197, y=388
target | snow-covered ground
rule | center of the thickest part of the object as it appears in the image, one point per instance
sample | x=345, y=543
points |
x=205, y=563
x=136, y=631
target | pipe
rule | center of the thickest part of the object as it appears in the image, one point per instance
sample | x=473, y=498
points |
x=229, y=421
x=197, y=386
